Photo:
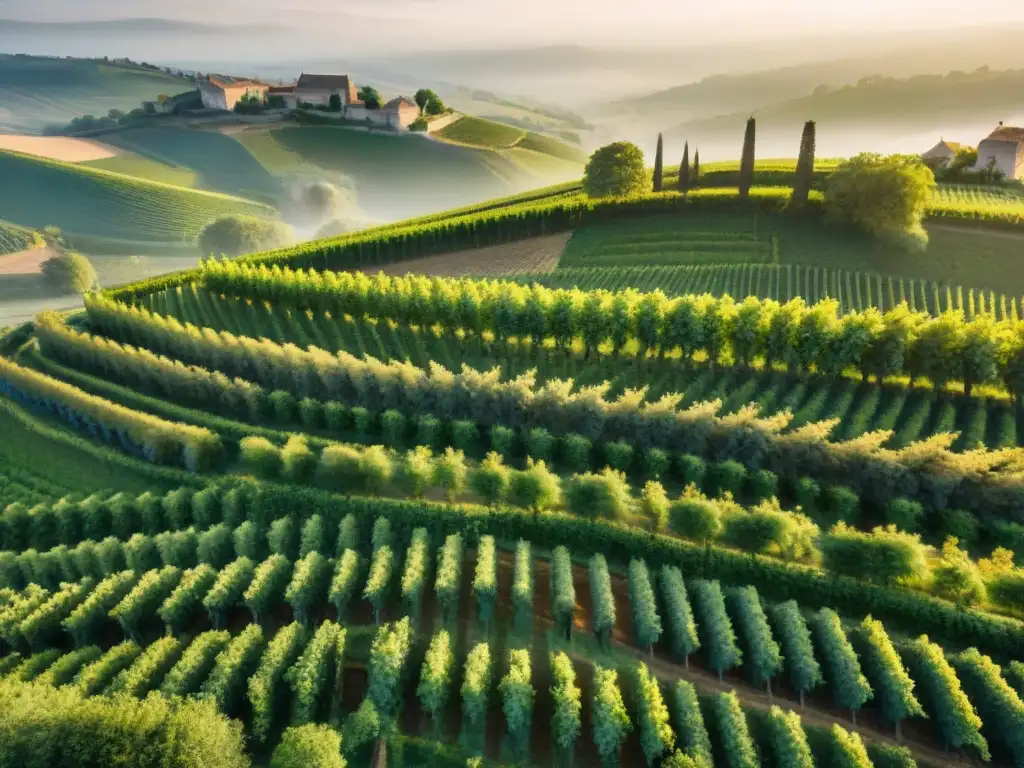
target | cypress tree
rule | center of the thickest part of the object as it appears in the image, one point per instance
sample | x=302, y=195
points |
x=658, y=165
x=804, y=175
x=695, y=176
x=747, y=160
x=684, y=170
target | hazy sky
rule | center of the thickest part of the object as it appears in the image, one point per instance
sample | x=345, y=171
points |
x=543, y=21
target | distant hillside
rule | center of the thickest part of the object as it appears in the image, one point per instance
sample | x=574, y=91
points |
x=95, y=203
x=14, y=238
x=878, y=110
x=37, y=91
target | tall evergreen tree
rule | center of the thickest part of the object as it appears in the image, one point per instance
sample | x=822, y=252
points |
x=747, y=159
x=658, y=165
x=684, y=170
x=804, y=175
x=695, y=175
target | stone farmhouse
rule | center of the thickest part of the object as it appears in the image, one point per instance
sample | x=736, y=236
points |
x=1004, y=148
x=942, y=152
x=223, y=93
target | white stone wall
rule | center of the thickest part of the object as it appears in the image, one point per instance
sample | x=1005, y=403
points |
x=1007, y=155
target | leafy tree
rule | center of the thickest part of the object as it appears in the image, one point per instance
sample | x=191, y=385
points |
x=615, y=170
x=717, y=634
x=747, y=159
x=998, y=704
x=850, y=688
x=894, y=689
x=788, y=740
x=429, y=102
x=608, y=715
x=305, y=746
x=436, y=677
x=69, y=272
x=683, y=185
x=797, y=648
x=682, y=628
x=763, y=656
x=942, y=696
x=883, y=195
x=517, y=697
x=656, y=736
x=737, y=744
x=804, y=176
x=369, y=95
x=334, y=102
x=361, y=727
x=848, y=750
x=658, y=162
x=695, y=517
x=602, y=600
x=566, y=697
x=956, y=577
x=237, y=235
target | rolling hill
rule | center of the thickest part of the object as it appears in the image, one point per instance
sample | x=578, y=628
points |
x=14, y=238
x=36, y=91
x=92, y=202
x=879, y=113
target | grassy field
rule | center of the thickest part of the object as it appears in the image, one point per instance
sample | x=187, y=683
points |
x=14, y=238
x=396, y=176
x=486, y=134
x=142, y=167
x=94, y=202
x=35, y=91
x=218, y=161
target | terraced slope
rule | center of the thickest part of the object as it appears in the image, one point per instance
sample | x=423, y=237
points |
x=92, y=202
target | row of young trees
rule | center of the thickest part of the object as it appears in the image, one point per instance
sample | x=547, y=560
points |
x=151, y=437
x=943, y=349
x=258, y=520
x=843, y=654
x=971, y=482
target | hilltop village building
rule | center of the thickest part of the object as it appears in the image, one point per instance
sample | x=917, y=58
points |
x=223, y=93
x=1003, y=148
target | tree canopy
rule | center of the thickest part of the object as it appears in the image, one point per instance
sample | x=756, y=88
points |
x=69, y=272
x=883, y=195
x=237, y=235
x=615, y=170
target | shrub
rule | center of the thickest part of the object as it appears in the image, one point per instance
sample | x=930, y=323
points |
x=535, y=488
x=576, y=452
x=619, y=455
x=694, y=517
x=503, y=441
x=429, y=431
x=260, y=456
x=604, y=494
x=763, y=485
x=656, y=463
x=336, y=416
x=615, y=170
x=450, y=473
x=310, y=413
x=806, y=493
x=465, y=436
x=43, y=726
x=392, y=424
x=361, y=727
x=841, y=504
x=69, y=272
x=306, y=746
x=540, y=445
x=654, y=506
x=726, y=477
x=238, y=235
x=363, y=421
x=906, y=515
x=416, y=471
x=882, y=195
x=883, y=556
x=283, y=405
x=962, y=526
x=490, y=480
x=691, y=469
x=298, y=462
